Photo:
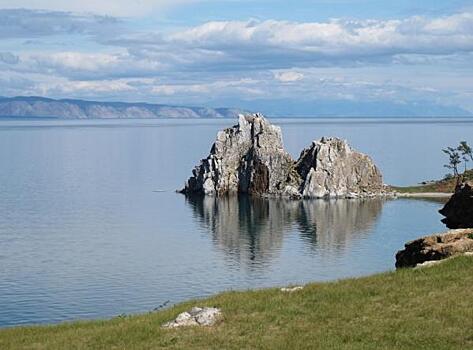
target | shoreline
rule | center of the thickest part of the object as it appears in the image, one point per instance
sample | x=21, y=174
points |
x=424, y=194
x=320, y=314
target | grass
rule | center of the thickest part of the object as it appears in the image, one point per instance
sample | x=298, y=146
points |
x=430, y=308
x=442, y=186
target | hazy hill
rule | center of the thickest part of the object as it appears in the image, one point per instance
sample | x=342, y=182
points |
x=40, y=107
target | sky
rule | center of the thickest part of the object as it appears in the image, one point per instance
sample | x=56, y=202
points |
x=241, y=53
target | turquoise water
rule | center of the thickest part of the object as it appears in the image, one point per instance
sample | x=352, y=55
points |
x=91, y=227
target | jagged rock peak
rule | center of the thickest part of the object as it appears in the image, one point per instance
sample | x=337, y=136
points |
x=331, y=168
x=246, y=158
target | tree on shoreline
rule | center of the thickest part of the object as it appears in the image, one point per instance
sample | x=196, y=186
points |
x=453, y=161
x=463, y=152
x=466, y=152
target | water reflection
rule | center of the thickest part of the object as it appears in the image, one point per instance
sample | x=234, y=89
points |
x=248, y=229
x=332, y=224
x=253, y=229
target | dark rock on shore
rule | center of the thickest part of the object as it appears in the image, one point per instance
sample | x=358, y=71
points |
x=435, y=247
x=250, y=158
x=458, y=211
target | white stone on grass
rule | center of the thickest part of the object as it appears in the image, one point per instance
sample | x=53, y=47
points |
x=291, y=290
x=197, y=316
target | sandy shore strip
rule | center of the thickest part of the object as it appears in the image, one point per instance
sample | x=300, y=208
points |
x=424, y=195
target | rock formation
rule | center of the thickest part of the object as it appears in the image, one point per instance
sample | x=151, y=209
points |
x=435, y=247
x=247, y=158
x=331, y=168
x=250, y=158
x=458, y=211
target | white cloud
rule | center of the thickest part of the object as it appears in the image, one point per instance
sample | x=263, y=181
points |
x=229, y=46
x=90, y=66
x=243, y=86
x=8, y=58
x=335, y=38
x=23, y=23
x=90, y=88
x=104, y=7
x=288, y=76
x=78, y=60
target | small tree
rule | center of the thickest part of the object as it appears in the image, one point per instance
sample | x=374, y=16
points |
x=466, y=152
x=454, y=160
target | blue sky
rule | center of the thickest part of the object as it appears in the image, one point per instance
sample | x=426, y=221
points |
x=235, y=53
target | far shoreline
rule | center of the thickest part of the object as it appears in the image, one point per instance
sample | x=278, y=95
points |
x=424, y=195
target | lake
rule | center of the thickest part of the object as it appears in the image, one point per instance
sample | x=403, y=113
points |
x=91, y=227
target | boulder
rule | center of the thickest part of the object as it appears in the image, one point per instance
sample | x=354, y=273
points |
x=330, y=168
x=435, y=247
x=250, y=158
x=458, y=211
x=197, y=316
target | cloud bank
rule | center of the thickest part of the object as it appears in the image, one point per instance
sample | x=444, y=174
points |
x=106, y=56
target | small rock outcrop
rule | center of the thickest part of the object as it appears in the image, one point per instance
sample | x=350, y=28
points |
x=331, y=168
x=250, y=158
x=458, y=211
x=197, y=316
x=435, y=247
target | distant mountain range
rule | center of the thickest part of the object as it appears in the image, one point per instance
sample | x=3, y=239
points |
x=40, y=107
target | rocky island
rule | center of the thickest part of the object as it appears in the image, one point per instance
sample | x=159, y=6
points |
x=250, y=158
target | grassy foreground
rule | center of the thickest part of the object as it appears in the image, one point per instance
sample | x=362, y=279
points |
x=439, y=186
x=431, y=308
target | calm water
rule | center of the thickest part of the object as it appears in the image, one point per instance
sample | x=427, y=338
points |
x=90, y=226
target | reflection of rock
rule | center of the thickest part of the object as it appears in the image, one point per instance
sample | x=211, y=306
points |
x=253, y=228
x=458, y=211
x=244, y=227
x=435, y=247
x=250, y=158
x=332, y=223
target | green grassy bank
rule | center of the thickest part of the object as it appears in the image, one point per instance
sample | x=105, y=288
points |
x=430, y=308
x=442, y=186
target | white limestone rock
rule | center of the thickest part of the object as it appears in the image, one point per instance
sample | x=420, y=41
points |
x=330, y=168
x=197, y=316
x=246, y=158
